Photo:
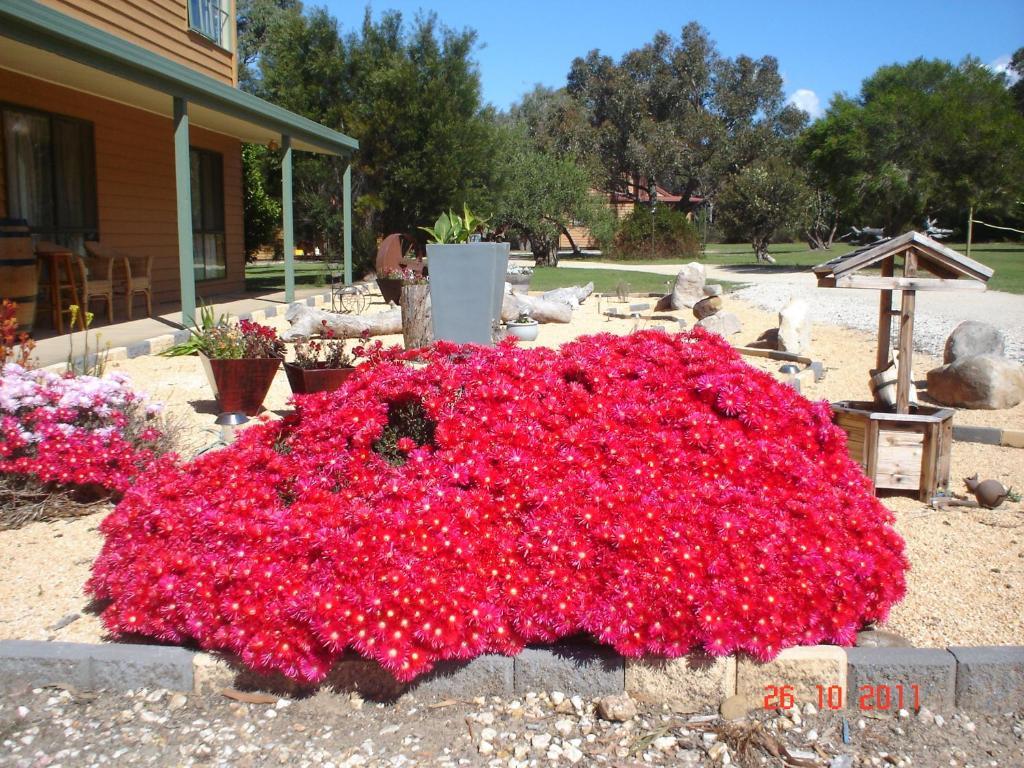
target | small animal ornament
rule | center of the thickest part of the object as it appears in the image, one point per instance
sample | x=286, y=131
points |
x=989, y=493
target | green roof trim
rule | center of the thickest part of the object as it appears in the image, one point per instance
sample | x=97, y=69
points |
x=31, y=23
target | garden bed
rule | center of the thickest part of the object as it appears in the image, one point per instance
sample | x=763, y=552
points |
x=966, y=564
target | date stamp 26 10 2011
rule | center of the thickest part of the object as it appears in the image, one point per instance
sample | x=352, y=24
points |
x=868, y=698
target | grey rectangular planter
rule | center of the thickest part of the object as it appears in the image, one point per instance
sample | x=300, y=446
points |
x=467, y=282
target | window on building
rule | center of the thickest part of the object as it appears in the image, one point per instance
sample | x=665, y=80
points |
x=50, y=168
x=208, y=248
x=210, y=19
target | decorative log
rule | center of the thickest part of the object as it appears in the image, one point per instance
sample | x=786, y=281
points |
x=573, y=296
x=515, y=304
x=308, y=322
x=416, y=326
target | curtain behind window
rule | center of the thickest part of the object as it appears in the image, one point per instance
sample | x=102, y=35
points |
x=28, y=160
x=51, y=175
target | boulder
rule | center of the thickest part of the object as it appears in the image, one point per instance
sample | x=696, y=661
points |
x=983, y=381
x=664, y=304
x=713, y=290
x=689, y=285
x=795, y=327
x=722, y=323
x=972, y=338
x=707, y=307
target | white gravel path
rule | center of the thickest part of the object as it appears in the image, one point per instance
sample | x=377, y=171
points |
x=937, y=313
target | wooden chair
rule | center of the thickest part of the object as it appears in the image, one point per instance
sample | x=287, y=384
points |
x=138, y=272
x=96, y=278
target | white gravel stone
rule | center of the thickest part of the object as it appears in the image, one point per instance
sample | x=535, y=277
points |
x=564, y=727
x=541, y=741
x=665, y=743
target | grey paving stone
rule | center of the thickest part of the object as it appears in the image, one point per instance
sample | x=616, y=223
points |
x=138, y=349
x=94, y=666
x=37, y=663
x=490, y=675
x=985, y=435
x=583, y=670
x=123, y=667
x=989, y=677
x=931, y=670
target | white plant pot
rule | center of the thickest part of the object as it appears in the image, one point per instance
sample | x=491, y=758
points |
x=467, y=283
x=523, y=331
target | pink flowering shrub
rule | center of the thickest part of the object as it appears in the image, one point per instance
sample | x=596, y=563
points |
x=73, y=432
x=651, y=490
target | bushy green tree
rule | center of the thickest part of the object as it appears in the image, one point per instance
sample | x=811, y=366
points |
x=768, y=196
x=924, y=138
x=541, y=194
x=664, y=233
x=678, y=114
x=410, y=93
x=261, y=212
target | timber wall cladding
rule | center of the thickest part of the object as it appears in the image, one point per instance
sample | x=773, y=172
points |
x=159, y=25
x=135, y=180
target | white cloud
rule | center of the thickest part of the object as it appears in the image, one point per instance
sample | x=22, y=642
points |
x=1002, y=66
x=808, y=101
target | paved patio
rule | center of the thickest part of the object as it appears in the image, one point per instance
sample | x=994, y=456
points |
x=51, y=348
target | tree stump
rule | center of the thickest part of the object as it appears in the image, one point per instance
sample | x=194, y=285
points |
x=416, y=325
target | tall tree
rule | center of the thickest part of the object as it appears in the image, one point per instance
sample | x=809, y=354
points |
x=679, y=114
x=410, y=93
x=924, y=138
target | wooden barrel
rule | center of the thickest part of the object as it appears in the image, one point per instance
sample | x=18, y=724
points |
x=18, y=270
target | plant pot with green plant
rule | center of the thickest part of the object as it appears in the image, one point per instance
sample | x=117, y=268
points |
x=524, y=328
x=467, y=279
x=240, y=360
x=320, y=365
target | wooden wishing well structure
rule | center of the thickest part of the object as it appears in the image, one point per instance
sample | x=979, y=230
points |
x=904, y=446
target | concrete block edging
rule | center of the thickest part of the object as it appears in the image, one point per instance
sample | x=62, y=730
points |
x=986, y=678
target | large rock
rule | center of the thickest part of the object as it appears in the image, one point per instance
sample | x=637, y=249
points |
x=982, y=381
x=707, y=307
x=972, y=338
x=795, y=327
x=722, y=323
x=689, y=285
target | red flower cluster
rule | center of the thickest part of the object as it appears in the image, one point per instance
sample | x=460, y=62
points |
x=77, y=432
x=651, y=490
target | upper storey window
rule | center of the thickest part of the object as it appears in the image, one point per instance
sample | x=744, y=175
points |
x=210, y=19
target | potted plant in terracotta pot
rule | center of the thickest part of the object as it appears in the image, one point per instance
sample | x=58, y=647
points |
x=320, y=365
x=467, y=279
x=240, y=360
x=524, y=327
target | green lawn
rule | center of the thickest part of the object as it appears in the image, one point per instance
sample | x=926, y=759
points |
x=605, y=280
x=1007, y=259
x=269, y=276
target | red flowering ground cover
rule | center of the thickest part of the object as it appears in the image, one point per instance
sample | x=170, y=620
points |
x=651, y=490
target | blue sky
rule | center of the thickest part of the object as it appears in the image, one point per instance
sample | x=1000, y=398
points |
x=822, y=47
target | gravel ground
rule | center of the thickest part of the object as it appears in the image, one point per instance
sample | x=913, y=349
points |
x=937, y=312
x=63, y=727
x=967, y=565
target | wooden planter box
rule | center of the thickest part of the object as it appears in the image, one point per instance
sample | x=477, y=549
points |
x=899, y=451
